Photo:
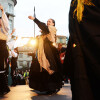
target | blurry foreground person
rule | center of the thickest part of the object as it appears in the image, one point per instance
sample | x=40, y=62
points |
x=82, y=60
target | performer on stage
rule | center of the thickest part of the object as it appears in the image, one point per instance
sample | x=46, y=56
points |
x=46, y=70
x=3, y=52
x=82, y=60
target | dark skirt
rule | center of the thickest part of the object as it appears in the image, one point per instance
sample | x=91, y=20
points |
x=42, y=81
x=3, y=76
x=3, y=84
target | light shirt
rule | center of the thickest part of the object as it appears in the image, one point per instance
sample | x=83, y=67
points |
x=12, y=54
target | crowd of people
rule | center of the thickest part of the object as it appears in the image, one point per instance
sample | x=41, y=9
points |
x=80, y=61
x=20, y=77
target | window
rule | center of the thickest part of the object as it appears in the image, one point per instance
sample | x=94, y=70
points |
x=21, y=55
x=60, y=40
x=63, y=40
x=10, y=25
x=10, y=8
x=20, y=63
x=28, y=64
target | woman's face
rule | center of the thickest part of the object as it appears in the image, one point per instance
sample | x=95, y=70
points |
x=50, y=22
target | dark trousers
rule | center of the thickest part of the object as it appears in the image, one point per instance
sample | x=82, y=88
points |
x=13, y=69
x=13, y=76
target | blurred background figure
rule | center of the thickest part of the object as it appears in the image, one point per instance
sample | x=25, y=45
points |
x=62, y=51
x=26, y=77
x=14, y=57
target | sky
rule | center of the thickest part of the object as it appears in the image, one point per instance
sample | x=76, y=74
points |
x=44, y=9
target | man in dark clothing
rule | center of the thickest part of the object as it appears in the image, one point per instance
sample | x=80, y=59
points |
x=14, y=64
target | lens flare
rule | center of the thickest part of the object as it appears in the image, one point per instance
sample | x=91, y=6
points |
x=33, y=42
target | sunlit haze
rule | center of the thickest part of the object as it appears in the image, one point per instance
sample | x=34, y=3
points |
x=44, y=9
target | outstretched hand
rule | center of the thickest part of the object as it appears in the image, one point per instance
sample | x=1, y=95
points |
x=30, y=17
x=1, y=8
x=13, y=31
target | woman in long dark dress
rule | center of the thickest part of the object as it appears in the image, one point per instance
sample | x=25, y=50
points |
x=46, y=72
x=3, y=53
x=82, y=62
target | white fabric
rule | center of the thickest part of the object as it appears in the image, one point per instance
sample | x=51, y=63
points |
x=11, y=44
x=2, y=36
x=5, y=27
x=52, y=35
x=2, y=71
x=41, y=54
x=9, y=37
x=5, y=23
x=12, y=53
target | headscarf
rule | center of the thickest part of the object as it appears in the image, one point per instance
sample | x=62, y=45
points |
x=43, y=61
x=4, y=23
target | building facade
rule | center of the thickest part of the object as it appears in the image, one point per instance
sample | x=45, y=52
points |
x=8, y=6
x=62, y=39
x=24, y=60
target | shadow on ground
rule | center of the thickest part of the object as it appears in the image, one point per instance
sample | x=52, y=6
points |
x=44, y=96
x=51, y=97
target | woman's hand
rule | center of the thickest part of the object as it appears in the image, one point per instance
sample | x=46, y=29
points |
x=1, y=8
x=13, y=31
x=30, y=17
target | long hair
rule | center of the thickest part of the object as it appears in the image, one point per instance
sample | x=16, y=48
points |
x=53, y=21
x=80, y=8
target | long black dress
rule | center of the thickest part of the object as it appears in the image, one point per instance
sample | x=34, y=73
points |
x=13, y=69
x=82, y=62
x=3, y=76
x=3, y=54
x=43, y=81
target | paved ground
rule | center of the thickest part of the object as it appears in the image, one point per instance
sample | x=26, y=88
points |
x=23, y=92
